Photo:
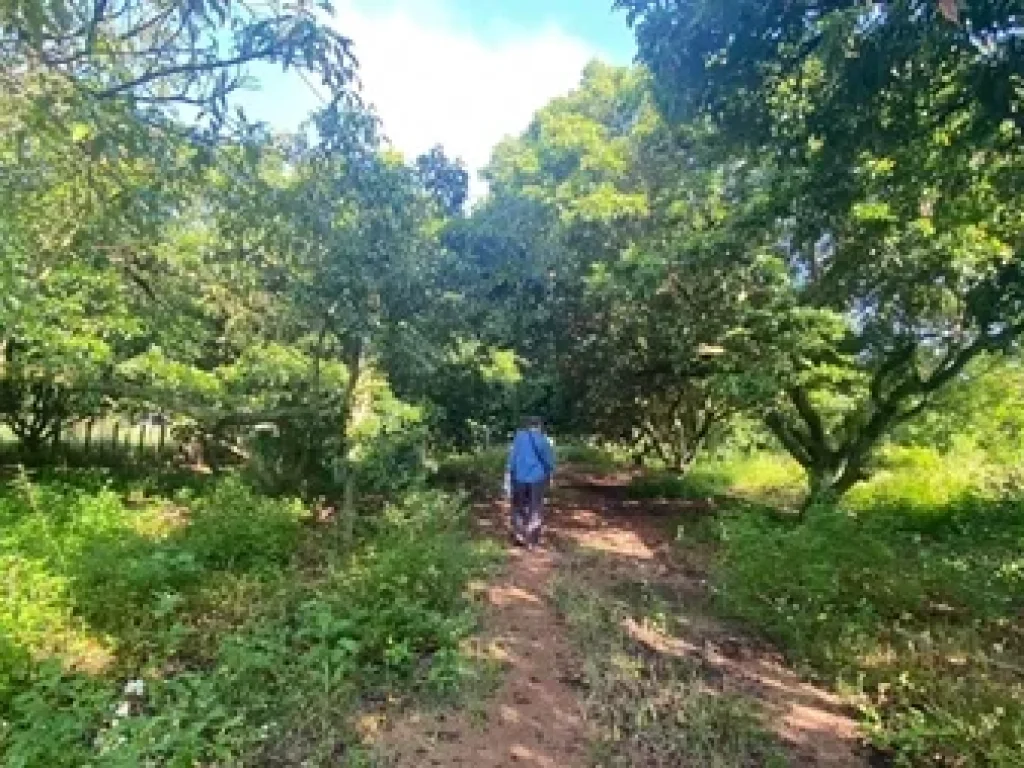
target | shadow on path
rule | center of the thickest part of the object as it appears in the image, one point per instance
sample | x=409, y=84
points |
x=536, y=717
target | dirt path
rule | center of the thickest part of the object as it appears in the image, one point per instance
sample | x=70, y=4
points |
x=534, y=719
x=537, y=715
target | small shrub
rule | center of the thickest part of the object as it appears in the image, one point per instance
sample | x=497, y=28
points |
x=234, y=528
x=393, y=463
x=476, y=471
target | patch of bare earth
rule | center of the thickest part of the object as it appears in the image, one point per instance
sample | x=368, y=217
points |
x=536, y=717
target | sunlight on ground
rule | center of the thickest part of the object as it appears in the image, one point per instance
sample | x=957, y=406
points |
x=522, y=754
x=41, y=596
x=504, y=594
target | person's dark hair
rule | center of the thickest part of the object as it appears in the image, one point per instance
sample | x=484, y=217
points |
x=533, y=422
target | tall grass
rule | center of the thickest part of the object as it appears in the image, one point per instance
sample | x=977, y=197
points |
x=907, y=598
x=762, y=477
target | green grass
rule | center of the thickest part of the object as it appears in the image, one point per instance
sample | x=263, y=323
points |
x=248, y=634
x=907, y=598
x=483, y=470
x=761, y=477
x=644, y=707
x=593, y=457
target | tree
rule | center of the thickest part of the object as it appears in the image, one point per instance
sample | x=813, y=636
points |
x=729, y=59
x=892, y=145
x=342, y=231
x=99, y=179
x=564, y=199
x=83, y=214
x=669, y=360
x=446, y=179
x=599, y=242
x=159, y=56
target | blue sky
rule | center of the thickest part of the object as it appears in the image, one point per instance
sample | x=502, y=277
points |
x=462, y=73
x=592, y=21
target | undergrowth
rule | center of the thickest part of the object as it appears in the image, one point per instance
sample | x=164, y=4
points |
x=478, y=472
x=907, y=598
x=482, y=471
x=757, y=476
x=217, y=627
x=649, y=708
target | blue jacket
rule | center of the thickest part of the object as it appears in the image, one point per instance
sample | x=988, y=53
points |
x=531, y=458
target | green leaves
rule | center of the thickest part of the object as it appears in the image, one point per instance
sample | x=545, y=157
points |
x=193, y=55
x=234, y=649
x=868, y=129
x=601, y=244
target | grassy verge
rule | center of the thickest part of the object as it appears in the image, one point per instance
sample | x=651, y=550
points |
x=483, y=470
x=217, y=626
x=763, y=478
x=479, y=472
x=646, y=707
x=908, y=599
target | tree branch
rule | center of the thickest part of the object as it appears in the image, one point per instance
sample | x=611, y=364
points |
x=792, y=442
x=953, y=366
x=183, y=69
x=817, y=443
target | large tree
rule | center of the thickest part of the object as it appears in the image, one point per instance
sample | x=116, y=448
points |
x=111, y=140
x=341, y=235
x=892, y=143
x=602, y=245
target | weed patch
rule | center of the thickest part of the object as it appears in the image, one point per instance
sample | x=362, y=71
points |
x=218, y=627
x=911, y=606
x=651, y=708
x=759, y=476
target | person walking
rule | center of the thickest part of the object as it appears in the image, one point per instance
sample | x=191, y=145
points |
x=531, y=463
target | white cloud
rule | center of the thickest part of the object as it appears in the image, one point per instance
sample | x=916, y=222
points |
x=434, y=82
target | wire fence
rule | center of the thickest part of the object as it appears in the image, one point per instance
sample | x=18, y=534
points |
x=100, y=441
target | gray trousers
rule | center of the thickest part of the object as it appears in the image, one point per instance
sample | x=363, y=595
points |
x=527, y=511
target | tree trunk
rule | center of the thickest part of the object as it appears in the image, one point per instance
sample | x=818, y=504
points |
x=354, y=362
x=829, y=482
x=307, y=466
x=678, y=442
x=831, y=471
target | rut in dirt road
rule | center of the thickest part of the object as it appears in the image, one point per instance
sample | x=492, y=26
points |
x=547, y=712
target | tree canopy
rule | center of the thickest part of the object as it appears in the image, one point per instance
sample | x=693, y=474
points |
x=806, y=213
x=889, y=143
